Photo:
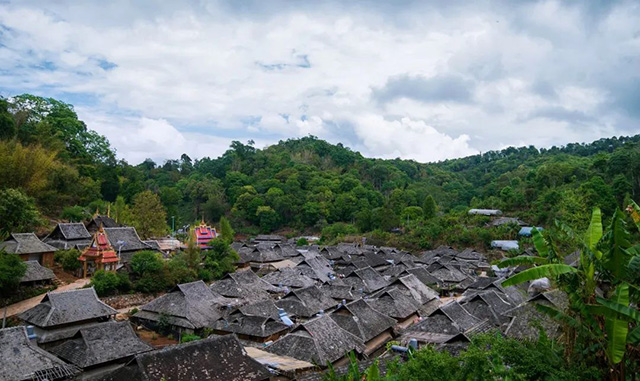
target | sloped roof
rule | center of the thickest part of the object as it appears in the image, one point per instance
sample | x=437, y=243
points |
x=424, y=276
x=394, y=303
x=448, y=274
x=190, y=305
x=317, y=341
x=67, y=307
x=290, y=277
x=264, y=308
x=362, y=320
x=256, y=326
x=374, y=260
x=243, y=284
x=317, y=268
x=25, y=243
x=366, y=278
x=153, y=244
x=129, y=236
x=437, y=322
x=527, y=320
x=306, y=302
x=72, y=231
x=101, y=344
x=339, y=292
x=22, y=360
x=470, y=254
x=264, y=255
x=36, y=272
x=438, y=252
x=216, y=358
x=419, y=291
x=459, y=315
x=482, y=308
x=106, y=222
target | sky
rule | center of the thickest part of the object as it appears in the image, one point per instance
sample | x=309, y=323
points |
x=422, y=80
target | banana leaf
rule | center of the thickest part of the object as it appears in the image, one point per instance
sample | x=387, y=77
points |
x=594, y=233
x=619, y=309
x=558, y=315
x=544, y=271
x=617, y=329
x=522, y=260
x=541, y=244
x=617, y=257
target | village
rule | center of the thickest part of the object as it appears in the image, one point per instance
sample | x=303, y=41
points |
x=287, y=313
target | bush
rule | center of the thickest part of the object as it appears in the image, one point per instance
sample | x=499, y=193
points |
x=108, y=283
x=488, y=357
x=152, y=283
x=12, y=269
x=302, y=242
x=338, y=229
x=187, y=338
x=144, y=262
x=68, y=259
x=74, y=214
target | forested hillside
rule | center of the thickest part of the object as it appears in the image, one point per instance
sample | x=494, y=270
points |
x=52, y=166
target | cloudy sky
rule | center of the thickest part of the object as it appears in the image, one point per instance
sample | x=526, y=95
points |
x=420, y=80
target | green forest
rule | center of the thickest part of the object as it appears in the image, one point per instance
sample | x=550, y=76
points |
x=54, y=167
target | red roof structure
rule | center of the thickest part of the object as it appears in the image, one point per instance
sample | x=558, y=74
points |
x=204, y=233
x=100, y=253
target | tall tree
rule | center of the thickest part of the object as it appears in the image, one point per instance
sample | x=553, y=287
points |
x=18, y=212
x=148, y=215
x=430, y=208
x=226, y=231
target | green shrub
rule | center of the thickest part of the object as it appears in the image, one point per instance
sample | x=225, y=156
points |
x=68, y=259
x=302, y=242
x=187, y=338
x=108, y=283
x=144, y=262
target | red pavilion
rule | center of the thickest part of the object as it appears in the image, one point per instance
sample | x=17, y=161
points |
x=204, y=234
x=99, y=255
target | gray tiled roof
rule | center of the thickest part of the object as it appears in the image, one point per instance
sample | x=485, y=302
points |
x=129, y=236
x=216, y=358
x=25, y=243
x=22, y=360
x=65, y=307
x=317, y=341
x=36, y=272
x=101, y=344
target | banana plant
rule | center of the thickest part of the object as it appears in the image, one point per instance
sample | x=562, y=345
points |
x=547, y=260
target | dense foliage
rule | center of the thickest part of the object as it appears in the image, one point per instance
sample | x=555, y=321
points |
x=602, y=324
x=305, y=184
x=12, y=269
x=488, y=357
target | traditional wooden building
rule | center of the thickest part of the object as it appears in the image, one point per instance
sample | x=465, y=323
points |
x=60, y=315
x=67, y=236
x=101, y=221
x=29, y=248
x=99, y=255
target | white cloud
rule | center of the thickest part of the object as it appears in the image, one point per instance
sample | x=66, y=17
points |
x=291, y=69
x=409, y=138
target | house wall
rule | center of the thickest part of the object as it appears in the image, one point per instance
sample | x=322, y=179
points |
x=45, y=259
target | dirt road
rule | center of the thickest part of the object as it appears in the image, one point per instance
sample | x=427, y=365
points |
x=24, y=305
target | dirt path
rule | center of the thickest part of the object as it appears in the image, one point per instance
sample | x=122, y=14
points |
x=24, y=305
